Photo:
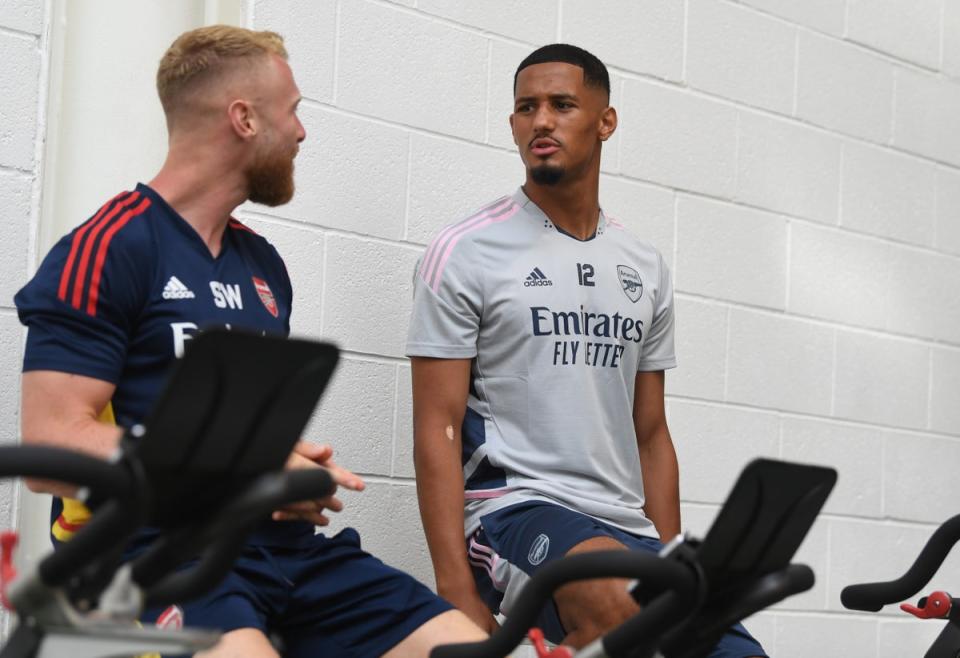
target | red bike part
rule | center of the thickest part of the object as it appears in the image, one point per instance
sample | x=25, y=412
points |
x=536, y=636
x=934, y=606
x=8, y=542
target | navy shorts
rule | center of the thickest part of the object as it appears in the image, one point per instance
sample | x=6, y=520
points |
x=325, y=597
x=512, y=543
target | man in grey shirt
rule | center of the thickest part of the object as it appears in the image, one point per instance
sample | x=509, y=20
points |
x=539, y=337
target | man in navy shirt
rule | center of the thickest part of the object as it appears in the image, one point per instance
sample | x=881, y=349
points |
x=114, y=303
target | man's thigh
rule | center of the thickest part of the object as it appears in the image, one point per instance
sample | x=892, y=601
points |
x=345, y=602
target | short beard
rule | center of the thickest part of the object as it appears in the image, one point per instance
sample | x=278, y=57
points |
x=547, y=175
x=270, y=179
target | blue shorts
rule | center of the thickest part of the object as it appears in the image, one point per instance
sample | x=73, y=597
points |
x=325, y=597
x=512, y=543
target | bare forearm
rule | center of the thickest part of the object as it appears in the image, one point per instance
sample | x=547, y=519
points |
x=661, y=484
x=440, y=493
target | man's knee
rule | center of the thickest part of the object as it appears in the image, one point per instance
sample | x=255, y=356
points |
x=241, y=643
x=591, y=607
x=449, y=627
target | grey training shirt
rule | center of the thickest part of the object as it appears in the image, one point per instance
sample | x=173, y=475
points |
x=557, y=329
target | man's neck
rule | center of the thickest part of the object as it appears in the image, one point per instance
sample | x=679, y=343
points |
x=573, y=206
x=205, y=196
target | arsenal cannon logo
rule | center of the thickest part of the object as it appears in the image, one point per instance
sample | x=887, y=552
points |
x=630, y=282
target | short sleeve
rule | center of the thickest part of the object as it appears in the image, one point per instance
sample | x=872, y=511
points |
x=447, y=305
x=658, y=347
x=80, y=311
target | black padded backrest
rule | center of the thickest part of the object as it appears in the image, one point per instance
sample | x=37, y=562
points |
x=232, y=409
x=764, y=520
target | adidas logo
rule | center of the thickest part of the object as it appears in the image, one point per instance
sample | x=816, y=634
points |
x=537, y=278
x=176, y=290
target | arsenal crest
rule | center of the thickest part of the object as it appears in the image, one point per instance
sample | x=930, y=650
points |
x=630, y=282
x=266, y=296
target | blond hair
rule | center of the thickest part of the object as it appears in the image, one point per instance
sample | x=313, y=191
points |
x=199, y=56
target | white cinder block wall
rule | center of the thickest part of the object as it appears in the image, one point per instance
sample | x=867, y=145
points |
x=797, y=163
x=21, y=117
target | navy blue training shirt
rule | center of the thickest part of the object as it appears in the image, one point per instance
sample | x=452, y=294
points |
x=118, y=298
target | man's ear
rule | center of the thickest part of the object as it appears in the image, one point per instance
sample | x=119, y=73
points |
x=510, y=118
x=608, y=124
x=243, y=119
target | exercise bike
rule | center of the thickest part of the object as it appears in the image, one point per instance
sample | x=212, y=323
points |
x=201, y=473
x=693, y=591
x=937, y=605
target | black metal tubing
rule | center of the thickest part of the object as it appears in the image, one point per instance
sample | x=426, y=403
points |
x=103, y=478
x=647, y=567
x=873, y=596
x=223, y=536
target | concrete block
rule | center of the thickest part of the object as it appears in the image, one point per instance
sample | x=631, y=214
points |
x=701, y=342
x=888, y=194
x=762, y=626
x=856, y=453
x=881, y=380
x=333, y=175
x=906, y=636
x=16, y=191
x=309, y=30
x=403, y=436
x=822, y=15
x=504, y=60
x=678, y=139
x=779, y=363
x=368, y=295
x=302, y=250
x=440, y=190
x=947, y=229
x=388, y=519
x=951, y=39
x=788, y=168
x=355, y=416
x=648, y=37
x=23, y=15
x=844, y=88
x=915, y=463
x=922, y=294
x=715, y=443
x=839, y=276
x=805, y=636
x=11, y=349
x=927, y=120
x=740, y=54
x=18, y=111
x=869, y=551
x=533, y=22
x=815, y=553
x=696, y=518
x=907, y=30
x=402, y=78
x=731, y=252
x=944, y=390
x=646, y=211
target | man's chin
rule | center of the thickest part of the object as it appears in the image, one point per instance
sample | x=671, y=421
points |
x=546, y=175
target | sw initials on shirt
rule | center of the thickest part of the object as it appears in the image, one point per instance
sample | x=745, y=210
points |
x=226, y=295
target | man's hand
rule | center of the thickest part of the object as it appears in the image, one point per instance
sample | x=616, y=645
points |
x=468, y=601
x=312, y=455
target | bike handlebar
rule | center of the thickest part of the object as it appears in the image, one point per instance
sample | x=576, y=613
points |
x=648, y=567
x=873, y=596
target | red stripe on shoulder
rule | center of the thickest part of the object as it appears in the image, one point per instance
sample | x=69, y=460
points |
x=75, y=246
x=234, y=224
x=91, y=239
x=102, y=252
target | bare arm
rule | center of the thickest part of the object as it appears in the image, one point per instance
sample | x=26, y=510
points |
x=61, y=409
x=440, y=388
x=658, y=459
